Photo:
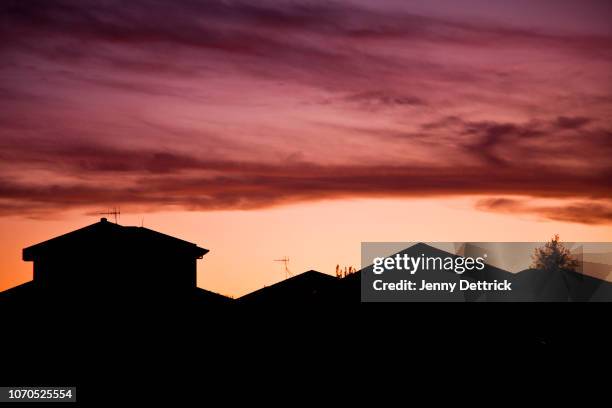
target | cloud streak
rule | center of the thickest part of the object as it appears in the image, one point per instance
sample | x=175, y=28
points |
x=163, y=180
x=593, y=213
x=235, y=105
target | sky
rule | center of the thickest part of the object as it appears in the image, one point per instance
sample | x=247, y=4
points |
x=301, y=128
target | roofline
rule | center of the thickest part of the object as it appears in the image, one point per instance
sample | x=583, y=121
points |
x=63, y=235
x=28, y=255
x=310, y=271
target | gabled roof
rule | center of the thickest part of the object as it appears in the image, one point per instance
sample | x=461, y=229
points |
x=305, y=287
x=104, y=233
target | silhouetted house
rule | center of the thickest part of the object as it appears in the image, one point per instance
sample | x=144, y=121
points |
x=307, y=287
x=114, y=263
x=531, y=285
x=436, y=275
x=561, y=286
x=348, y=289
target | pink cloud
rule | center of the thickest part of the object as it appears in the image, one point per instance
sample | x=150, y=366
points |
x=213, y=105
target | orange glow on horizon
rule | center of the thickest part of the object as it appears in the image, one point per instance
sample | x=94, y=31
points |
x=243, y=244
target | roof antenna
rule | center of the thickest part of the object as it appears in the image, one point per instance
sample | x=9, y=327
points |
x=285, y=262
x=115, y=212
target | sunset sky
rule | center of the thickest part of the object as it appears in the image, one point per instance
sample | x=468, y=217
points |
x=265, y=129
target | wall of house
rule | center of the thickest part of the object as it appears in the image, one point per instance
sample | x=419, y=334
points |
x=158, y=273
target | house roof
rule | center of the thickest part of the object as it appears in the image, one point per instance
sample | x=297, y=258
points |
x=104, y=233
x=306, y=286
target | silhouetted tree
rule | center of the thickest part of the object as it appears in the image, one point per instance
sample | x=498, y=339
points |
x=554, y=257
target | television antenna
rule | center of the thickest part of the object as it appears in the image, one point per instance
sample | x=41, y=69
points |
x=285, y=262
x=115, y=212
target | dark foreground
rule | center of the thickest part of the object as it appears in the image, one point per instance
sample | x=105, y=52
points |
x=108, y=353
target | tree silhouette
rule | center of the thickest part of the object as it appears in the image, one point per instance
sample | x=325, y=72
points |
x=554, y=257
